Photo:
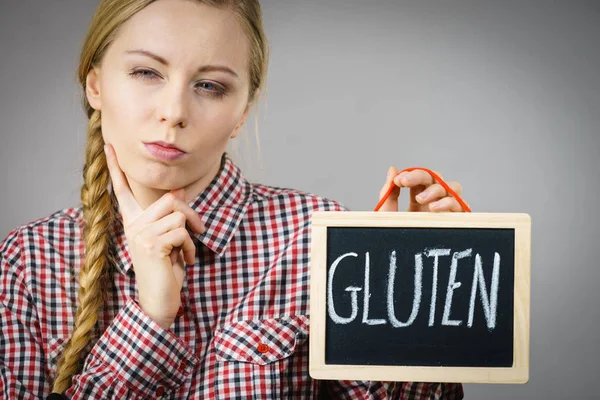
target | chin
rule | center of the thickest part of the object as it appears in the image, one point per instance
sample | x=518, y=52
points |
x=159, y=177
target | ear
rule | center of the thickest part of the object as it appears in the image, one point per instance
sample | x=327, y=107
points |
x=237, y=128
x=92, y=89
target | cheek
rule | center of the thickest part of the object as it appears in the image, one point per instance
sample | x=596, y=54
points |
x=218, y=120
x=124, y=111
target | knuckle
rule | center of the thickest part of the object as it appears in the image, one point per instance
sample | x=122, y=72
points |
x=150, y=245
x=180, y=217
x=179, y=233
x=139, y=238
x=456, y=186
x=434, y=189
x=169, y=198
x=144, y=242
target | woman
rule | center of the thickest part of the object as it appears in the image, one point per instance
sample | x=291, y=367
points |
x=154, y=286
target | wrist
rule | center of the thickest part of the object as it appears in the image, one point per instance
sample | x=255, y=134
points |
x=164, y=319
x=164, y=323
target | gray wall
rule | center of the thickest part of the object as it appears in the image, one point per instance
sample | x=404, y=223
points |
x=501, y=95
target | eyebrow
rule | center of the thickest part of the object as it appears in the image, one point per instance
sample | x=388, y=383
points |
x=205, y=68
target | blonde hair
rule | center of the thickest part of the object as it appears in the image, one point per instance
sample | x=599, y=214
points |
x=97, y=201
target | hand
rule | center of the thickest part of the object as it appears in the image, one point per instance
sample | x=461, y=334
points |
x=156, y=238
x=425, y=194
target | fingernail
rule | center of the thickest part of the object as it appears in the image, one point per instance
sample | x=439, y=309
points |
x=390, y=172
x=422, y=197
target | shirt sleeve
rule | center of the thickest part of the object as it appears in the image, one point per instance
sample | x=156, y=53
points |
x=22, y=369
x=135, y=358
x=366, y=390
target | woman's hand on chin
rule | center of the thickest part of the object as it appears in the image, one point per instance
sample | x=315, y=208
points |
x=159, y=244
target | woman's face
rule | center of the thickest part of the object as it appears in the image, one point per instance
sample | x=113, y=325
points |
x=177, y=72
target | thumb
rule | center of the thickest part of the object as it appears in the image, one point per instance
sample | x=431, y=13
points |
x=391, y=204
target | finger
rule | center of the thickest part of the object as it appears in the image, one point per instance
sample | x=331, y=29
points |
x=127, y=203
x=175, y=255
x=417, y=177
x=179, y=193
x=391, y=203
x=445, y=204
x=178, y=238
x=456, y=186
x=165, y=224
x=437, y=191
x=432, y=193
x=168, y=204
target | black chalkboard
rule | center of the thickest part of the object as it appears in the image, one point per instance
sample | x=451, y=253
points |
x=462, y=336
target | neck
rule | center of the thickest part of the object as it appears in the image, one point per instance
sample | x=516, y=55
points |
x=146, y=196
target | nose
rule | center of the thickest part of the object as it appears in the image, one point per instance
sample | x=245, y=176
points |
x=173, y=106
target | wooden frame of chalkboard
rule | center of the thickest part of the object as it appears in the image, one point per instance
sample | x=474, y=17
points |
x=354, y=340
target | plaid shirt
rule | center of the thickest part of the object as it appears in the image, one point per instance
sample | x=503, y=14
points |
x=242, y=331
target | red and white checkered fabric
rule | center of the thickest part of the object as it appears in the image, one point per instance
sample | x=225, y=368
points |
x=244, y=330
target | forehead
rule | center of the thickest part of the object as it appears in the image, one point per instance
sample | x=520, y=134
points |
x=187, y=34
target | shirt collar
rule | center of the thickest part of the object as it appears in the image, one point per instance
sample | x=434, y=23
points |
x=221, y=207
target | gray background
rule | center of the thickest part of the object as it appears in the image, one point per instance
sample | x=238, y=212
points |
x=503, y=96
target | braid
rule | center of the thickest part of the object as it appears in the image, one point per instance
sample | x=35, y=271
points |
x=98, y=203
x=97, y=217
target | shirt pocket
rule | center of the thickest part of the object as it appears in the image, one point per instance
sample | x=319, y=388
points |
x=254, y=358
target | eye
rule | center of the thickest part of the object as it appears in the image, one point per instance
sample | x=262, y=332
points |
x=207, y=86
x=212, y=89
x=142, y=73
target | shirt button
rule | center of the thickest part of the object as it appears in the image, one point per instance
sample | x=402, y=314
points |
x=263, y=348
x=160, y=391
x=180, y=312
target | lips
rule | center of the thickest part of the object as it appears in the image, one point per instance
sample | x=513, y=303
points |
x=167, y=145
x=164, y=151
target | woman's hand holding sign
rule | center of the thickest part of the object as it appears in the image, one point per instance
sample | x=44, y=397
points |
x=156, y=238
x=425, y=193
